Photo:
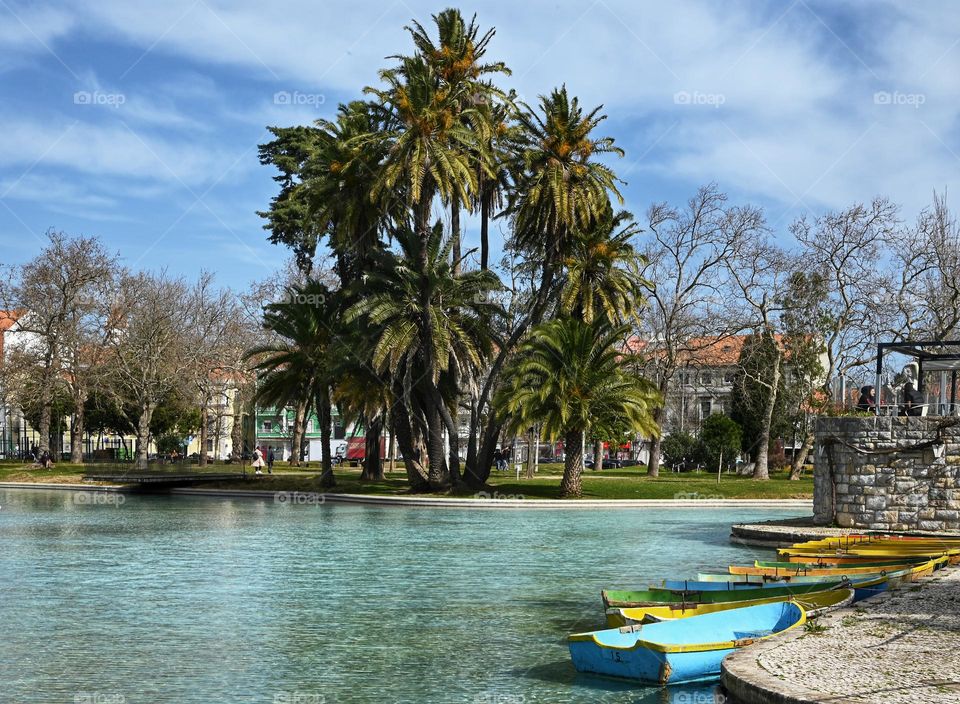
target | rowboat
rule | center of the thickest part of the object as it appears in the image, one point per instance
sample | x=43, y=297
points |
x=853, y=555
x=821, y=564
x=683, y=650
x=695, y=585
x=785, y=579
x=659, y=597
x=795, y=571
x=815, y=604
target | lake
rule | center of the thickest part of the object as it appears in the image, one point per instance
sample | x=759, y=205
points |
x=152, y=599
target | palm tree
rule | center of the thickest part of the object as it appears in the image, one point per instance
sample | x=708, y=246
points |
x=560, y=187
x=456, y=60
x=570, y=375
x=400, y=301
x=603, y=280
x=294, y=368
x=428, y=138
x=339, y=181
x=559, y=190
x=603, y=271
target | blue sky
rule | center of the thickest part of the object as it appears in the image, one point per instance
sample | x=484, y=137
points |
x=138, y=122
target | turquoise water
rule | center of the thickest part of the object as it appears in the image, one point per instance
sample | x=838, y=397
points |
x=184, y=599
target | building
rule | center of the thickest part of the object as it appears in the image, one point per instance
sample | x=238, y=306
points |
x=703, y=382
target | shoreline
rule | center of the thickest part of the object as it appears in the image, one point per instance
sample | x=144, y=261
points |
x=490, y=501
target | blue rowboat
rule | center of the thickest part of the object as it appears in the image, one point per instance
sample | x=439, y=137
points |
x=683, y=650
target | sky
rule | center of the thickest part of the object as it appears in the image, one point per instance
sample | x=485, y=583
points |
x=138, y=122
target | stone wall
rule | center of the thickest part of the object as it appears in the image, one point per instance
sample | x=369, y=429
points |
x=898, y=477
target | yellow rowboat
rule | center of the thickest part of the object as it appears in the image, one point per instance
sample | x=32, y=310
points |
x=827, y=564
x=854, y=555
x=899, y=542
x=786, y=573
x=814, y=604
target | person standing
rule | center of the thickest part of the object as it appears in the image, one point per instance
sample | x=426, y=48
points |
x=257, y=463
x=497, y=459
x=270, y=458
x=867, y=400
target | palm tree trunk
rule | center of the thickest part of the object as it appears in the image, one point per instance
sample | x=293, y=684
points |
x=410, y=442
x=296, y=435
x=456, y=248
x=531, y=453
x=327, y=480
x=653, y=461
x=485, y=203
x=478, y=472
x=392, y=447
x=598, y=454
x=372, y=466
x=572, y=484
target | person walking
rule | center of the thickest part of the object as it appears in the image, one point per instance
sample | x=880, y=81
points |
x=257, y=463
x=270, y=458
x=497, y=459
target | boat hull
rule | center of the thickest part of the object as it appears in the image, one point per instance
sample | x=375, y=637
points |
x=682, y=651
x=815, y=605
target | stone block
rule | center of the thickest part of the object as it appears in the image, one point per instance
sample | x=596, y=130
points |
x=845, y=520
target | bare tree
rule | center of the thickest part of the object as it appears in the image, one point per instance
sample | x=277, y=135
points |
x=64, y=297
x=923, y=284
x=687, y=257
x=759, y=277
x=154, y=349
x=846, y=250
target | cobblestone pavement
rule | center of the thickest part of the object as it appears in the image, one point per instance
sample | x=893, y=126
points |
x=902, y=647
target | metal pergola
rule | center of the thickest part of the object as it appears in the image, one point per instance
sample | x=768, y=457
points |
x=934, y=356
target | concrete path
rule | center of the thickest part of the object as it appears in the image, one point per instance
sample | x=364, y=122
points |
x=902, y=647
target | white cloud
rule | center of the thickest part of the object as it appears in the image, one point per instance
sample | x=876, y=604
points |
x=118, y=149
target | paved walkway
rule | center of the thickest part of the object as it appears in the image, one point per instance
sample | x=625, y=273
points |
x=900, y=648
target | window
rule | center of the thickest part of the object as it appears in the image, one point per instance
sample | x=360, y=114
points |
x=268, y=426
x=705, y=408
x=705, y=378
x=728, y=377
x=209, y=445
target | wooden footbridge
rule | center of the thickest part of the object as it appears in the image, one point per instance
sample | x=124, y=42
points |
x=161, y=479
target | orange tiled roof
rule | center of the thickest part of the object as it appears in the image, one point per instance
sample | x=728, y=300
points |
x=715, y=351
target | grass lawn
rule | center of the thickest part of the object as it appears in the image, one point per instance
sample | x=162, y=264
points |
x=626, y=483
